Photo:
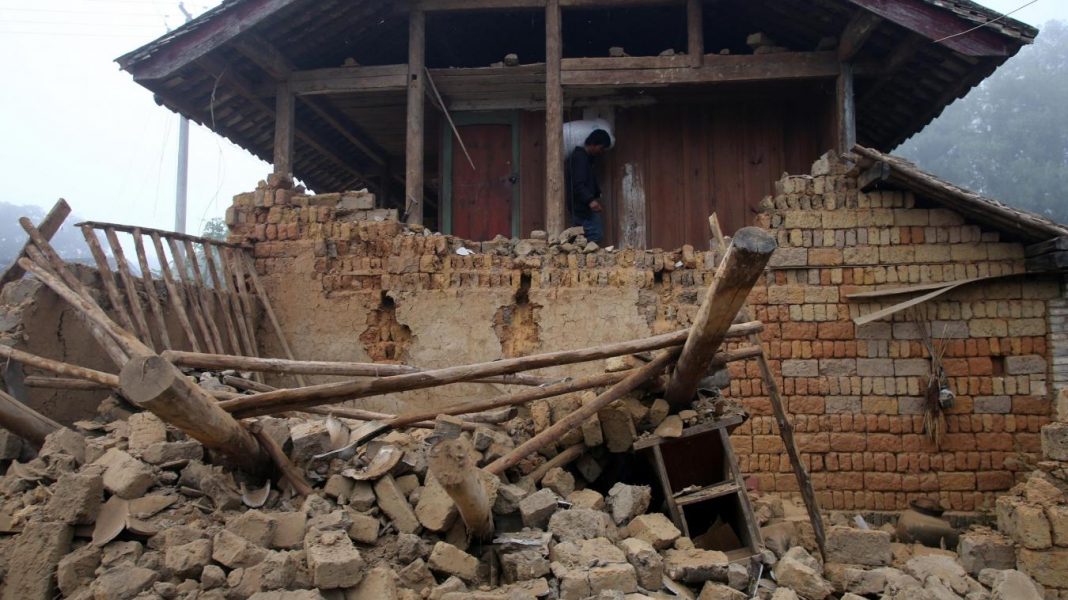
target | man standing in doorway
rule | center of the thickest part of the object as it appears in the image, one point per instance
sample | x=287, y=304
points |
x=583, y=191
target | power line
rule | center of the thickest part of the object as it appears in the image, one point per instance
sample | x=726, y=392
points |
x=990, y=22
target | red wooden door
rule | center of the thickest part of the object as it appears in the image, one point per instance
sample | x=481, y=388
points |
x=482, y=197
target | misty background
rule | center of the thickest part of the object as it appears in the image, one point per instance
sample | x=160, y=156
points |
x=76, y=127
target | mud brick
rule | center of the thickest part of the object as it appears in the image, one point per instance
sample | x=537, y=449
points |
x=968, y=252
x=824, y=257
x=800, y=368
x=875, y=367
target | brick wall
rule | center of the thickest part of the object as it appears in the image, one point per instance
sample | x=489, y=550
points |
x=352, y=284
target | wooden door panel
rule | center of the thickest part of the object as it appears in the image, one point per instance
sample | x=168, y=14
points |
x=482, y=197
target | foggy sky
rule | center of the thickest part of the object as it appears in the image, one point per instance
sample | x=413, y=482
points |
x=76, y=127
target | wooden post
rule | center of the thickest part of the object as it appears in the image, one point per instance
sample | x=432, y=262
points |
x=150, y=290
x=284, y=117
x=25, y=422
x=742, y=265
x=223, y=297
x=291, y=473
x=261, y=293
x=234, y=297
x=129, y=287
x=156, y=385
x=48, y=228
x=695, y=33
x=107, y=277
x=202, y=289
x=845, y=109
x=59, y=368
x=555, y=208
x=327, y=393
x=452, y=463
x=574, y=419
x=413, y=172
x=189, y=292
x=173, y=292
x=568, y=456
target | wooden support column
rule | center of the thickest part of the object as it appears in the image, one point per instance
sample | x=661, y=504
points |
x=413, y=171
x=742, y=264
x=284, y=117
x=845, y=109
x=555, y=209
x=695, y=33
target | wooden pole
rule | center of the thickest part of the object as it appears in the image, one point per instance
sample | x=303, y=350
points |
x=25, y=422
x=189, y=294
x=413, y=154
x=452, y=463
x=786, y=429
x=200, y=284
x=695, y=33
x=157, y=385
x=568, y=456
x=265, y=302
x=200, y=360
x=129, y=287
x=742, y=265
x=555, y=209
x=61, y=383
x=173, y=293
x=235, y=302
x=48, y=228
x=574, y=419
x=846, y=109
x=107, y=277
x=278, y=456
x=284, y=126
x=154, y=303
x=248, y=310
x=223, y=297
x=59, y=368
x=281, y=400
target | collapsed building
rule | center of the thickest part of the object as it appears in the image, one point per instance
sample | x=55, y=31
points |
x=901, y=346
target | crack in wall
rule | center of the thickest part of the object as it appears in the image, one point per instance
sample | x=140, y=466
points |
x=386, y=338
x=516, y=325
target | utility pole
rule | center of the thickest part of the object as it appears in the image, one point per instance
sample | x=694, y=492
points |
x=182, y=185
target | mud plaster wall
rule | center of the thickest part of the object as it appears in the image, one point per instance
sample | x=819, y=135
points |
x=354, y=285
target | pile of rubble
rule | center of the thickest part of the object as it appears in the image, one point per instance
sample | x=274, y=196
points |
x=126, y=507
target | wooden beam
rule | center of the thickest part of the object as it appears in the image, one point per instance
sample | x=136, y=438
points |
x=874, y=174
x=452, y=463
x=25, y=422
x=59, y=368
x=845, y=108
x=587, y=72
x=385, y=78
x=739, y=270
x=936, y=23
x=462, y=5
x=191, y=42
x=414, y=151
x=48, y=228
x=695, y=33
x=555, y=199
x=856, y=34
x=284, y=126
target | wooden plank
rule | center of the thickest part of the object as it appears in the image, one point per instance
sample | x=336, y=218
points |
x=284, y=116
x=223, y=297
x=173, y=294
x=624, y=63
x=1057, y=244
x=190, y=295
x=846, y=109
x=48, y=228
x=461, y=5
x=148, y=230
x=935, y=23
x=1053, y=261
x=729, y=422
x=676, y=513
x=632, y=221
x=751, y=523
x=130, y=287
x=213, y=30
x=715, y=69
x=247, y=309
x=234, y=296
x=265, y=302
x=878, y=172
x=63, y=383
x=382, y=78
x=856, y=34
x=708, y=493
x=695, y=33
x=57, y=367
x=414, y=150
x=107, y=278
x=154, y=303
x=555, y=201
x=204, y=292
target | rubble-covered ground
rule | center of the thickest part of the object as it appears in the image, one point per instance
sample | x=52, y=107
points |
x=125, y=507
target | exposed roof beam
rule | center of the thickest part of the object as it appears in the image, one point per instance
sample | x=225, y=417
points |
x=455, y=5
x=936, y=23
x=715, y=69
x=856, y=34
x=206, y=33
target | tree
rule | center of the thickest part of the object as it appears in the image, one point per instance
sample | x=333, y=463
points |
x=1008, y=139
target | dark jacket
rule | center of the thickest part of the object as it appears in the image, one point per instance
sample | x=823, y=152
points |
x=581, y=183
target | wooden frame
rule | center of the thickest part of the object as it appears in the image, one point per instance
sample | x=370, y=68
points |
x=447, y=157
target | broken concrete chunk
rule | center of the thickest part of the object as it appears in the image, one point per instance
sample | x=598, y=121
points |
x=64, y=441
x=654, y=528
x=695, y=566
x=448, y=559
x=278, y=570
x=586, y=498
x=364, y=528
x=508, y=498
x=799, y=571
x=1010, y=584
x=126, y=476
x=417, y=576
x=288, y=595
x=524, y=565
x=628, y=501
x=146, y=429
x=310, y=438
x=869, y=547
x=393, y=503
x=255, y=526
x=213, y=482
x=33, y=558
x=122, y=582
x=559, y=481
x=232, y=550
x=670, y=427
x=380, y=583
x=581, y=524
x=188, y=560
x=718, y=591
x=986, y=549
x=333, y=560
x=338, y=487
x=537, y=508
x=435, y=510
x=857, y=580
x=647, y=563
x=362, y=496
x=77, y=569
x=289, y=530
x=618, y=427
x=76, y=498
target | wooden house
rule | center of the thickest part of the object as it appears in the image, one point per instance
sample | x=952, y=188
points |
x=712, y=101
